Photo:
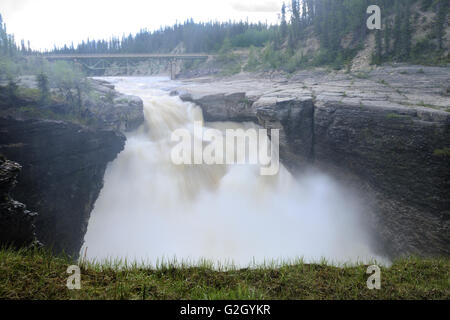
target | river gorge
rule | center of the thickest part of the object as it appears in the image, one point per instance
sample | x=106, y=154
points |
x=153, y=210
x=364, y=170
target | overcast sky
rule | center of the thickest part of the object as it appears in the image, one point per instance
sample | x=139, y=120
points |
x=49, y=22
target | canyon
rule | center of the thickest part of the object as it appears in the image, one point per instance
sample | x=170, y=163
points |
x=384, y=133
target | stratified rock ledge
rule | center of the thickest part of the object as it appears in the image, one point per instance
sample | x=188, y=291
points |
x=386, y=134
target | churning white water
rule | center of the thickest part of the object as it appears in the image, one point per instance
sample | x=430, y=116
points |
x=151, y=209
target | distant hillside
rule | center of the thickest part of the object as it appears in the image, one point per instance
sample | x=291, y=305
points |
x=310, y=33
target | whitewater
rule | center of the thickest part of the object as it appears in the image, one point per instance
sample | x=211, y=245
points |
x=151, y=209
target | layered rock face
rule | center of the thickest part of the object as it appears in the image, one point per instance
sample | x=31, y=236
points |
x=369, y=131
x=16, y=222
x=64, y=162
x=396, y=152
x=102, y=107
x=113, y=110
x=63, y=168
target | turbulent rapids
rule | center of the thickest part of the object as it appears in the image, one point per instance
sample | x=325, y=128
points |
x=151, y=209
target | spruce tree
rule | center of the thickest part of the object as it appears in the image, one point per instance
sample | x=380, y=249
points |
x=398, y=29
x=406, y=33
x=295, y=20
x=43, y=86
x=387, y=38
x=378, y=47
x=283, y=26
x=442, y=7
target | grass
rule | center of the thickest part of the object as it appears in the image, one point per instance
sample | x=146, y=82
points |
x=37, y=274
x=28, y=93
x=442, y=152
x=427, y=105
x=362, y=75
x=397, y=116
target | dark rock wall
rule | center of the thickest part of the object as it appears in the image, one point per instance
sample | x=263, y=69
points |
x=17, y=227
x=295, y=119
x=63, y=168
x=224, y=107
x=396, y=151
x=397, y=158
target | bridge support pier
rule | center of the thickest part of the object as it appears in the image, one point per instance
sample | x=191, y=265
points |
x=173, y=70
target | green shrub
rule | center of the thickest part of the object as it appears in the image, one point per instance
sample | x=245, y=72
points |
x=43, y=85
x=362, y=75
x=271, y=58
x=8, y=68
x=70, y=82
x=253, y=62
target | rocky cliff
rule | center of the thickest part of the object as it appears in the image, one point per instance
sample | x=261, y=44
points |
x=63, y=162
x=16, y=222
x=63, y=168
x=385, y=133
x=101, y=106
x=110, y=109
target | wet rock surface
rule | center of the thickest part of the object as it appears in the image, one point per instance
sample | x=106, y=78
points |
x=386, y=133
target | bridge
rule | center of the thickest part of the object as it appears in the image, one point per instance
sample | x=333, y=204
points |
x=125, y=62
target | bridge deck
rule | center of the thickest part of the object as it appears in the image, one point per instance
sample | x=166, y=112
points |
x=125, y=56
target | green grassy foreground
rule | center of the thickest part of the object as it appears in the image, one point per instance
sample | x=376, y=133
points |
x=36, y=274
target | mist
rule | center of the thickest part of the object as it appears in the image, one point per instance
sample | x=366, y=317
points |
x=150, y=209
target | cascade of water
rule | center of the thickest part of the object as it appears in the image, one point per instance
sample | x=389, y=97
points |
x=151, y=208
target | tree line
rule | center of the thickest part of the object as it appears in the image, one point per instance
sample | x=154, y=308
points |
x=338, y=25
x=330, y=21
x=195, y=37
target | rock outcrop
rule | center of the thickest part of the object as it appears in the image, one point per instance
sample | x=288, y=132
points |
x=64, y=161
x=112, y=109
x=102, y=107
x=63, y=168
x=385, y=133
x=17, y=227
x=396, y=152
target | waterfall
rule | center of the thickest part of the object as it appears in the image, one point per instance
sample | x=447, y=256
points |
x=150, y=208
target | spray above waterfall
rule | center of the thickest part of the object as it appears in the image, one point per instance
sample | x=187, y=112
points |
x=231, y=146
x=152, y=208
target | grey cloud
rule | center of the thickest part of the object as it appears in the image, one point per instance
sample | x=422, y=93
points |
x=13, y=6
